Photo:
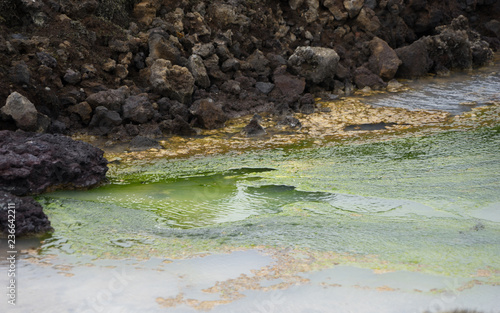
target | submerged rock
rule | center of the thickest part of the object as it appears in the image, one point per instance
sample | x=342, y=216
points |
x=29, y=216
x=254, y=129
x=35, y=163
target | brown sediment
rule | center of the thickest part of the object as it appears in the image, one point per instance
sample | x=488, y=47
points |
x=317, y=129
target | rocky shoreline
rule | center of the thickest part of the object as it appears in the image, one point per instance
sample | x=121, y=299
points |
x=31, y=164
x=132, y=71
x=154, y=68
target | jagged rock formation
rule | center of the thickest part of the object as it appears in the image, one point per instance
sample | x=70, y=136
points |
x=120, y=68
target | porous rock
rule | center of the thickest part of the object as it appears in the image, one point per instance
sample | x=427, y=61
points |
x=208, y=114
x=174, y=81
x=35, y=163
x=22, y=111
x=315, y=64
x=29, y=216
x=383, y=60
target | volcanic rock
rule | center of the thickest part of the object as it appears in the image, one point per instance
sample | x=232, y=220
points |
x=175, y=81
x=315, y=64
x=29, y=216
x=35, y=163
x=22, y=111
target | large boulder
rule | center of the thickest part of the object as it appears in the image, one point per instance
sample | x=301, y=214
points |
x=22, y=111
x=383, y=60
x=455, y=46
x=175, y=82
x=315, y=64
x=35, y=163
x=415, y=60
x=29, y=216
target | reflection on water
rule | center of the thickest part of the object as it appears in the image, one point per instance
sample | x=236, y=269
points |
x=455, y=94
x=200, y=200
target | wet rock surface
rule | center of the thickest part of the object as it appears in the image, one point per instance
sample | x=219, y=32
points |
x=79, y=63
x=254, y=129
x=35, y=163
x=29, y=216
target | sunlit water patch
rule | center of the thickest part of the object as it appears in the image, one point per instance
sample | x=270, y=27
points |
x=196, y=201
x=455, y=94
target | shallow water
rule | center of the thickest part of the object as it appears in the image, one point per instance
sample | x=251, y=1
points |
x=410, y=224
x=455, y=94
x=407, y=224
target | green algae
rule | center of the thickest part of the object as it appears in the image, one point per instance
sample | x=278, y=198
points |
x=412, y=203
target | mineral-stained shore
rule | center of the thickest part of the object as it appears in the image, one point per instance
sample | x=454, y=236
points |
x=131, y=69
x=123, y=68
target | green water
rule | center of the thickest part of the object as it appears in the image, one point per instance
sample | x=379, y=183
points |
x=426, y=203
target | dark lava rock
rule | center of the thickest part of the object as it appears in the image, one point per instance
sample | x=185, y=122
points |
x=455, y=46
x=208, y=114
x=138, y=109
x=290, y=121
x=254, y=129
x=316, y=64
x=143, y=143
x=29, y=216
x=289, y=85
x=175, y=82
x=72, y=77
x=364, y=77
x=83, y=110
x=383, y=60
x=46, y=59
x=264, y=87
x=112, y=99
x=198, y=70
x=307, y=104
x=21, y=110
x=415, y=60
x=178, y=126
x=104, y=120
x=20, y=73
x=35, y=163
